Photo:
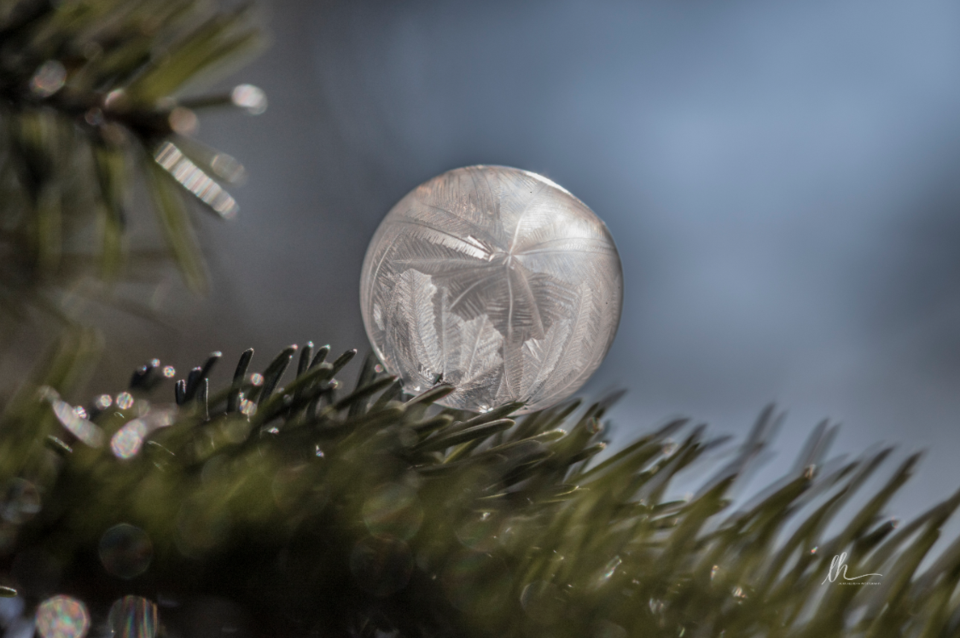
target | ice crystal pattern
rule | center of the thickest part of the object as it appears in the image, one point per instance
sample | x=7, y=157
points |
x=495, y=280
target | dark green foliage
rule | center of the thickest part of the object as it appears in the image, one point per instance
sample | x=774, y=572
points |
x=324, y=513
x=87, y=104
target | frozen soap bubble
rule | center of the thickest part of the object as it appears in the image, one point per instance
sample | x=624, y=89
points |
x=496, y=281
x=62, y=617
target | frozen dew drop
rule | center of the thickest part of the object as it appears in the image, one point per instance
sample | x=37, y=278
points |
x=713, y=571
x=125, y=551
x=133, y=617
x=169, y=372
x=103, y=402
x=256, y=379
x=124, y=400
x=80, y=412
x=48, y=79
x=250, y=98
x=248, y=407
x=127, y=441
x=62, y=617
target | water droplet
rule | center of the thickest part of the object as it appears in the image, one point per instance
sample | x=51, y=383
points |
x=381, y=565
x=80, y=412
x=154, y=363
x=669, y=447
x=124, y=400
x=713, y=571
x=274, y=430
x=256, y=379
x=169, y=371
x=133, y=617
x=103, y=402
x=319, y=452
x=393, y=509
x=128, y=440
x=248, y=407
x=813, y=550
x=48, y=79
x=21, y=501
x=334, y=384
x=125, y=551
x=250, y=98
x=62, y=617
x=378, y=368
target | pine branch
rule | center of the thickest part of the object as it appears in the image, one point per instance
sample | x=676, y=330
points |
x=90, y=99
x=326, y=514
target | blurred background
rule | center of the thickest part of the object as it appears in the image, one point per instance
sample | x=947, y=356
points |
x=782, y=179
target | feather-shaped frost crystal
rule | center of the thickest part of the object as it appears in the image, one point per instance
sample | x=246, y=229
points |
x=494, y=280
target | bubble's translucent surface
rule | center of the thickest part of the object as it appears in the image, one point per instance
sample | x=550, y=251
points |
x=133, y=617
x=495, y=280
x=125, y=550
x=62, y=617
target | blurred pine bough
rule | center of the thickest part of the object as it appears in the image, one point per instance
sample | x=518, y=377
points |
x=90, y=108
x=315, y=511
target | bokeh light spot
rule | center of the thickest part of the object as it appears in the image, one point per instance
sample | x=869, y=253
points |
x=250, y=98
x=393, y=509
x=125, y=550
x=381, y=565
x=124, y=400
x=48, y=79
x=62, y=617
x=128, y=440
x=133, y=617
